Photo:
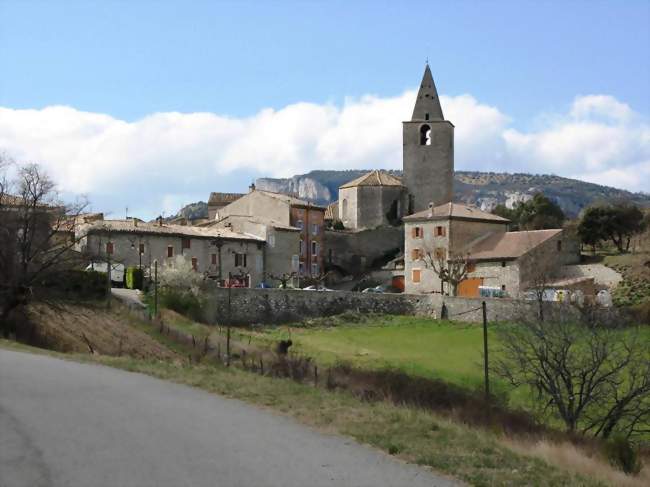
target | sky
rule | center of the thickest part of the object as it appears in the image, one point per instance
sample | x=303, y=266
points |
x=151, y=105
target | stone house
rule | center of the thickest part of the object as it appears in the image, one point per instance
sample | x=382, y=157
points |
x=219, y=253
x=289, y=211
x=281, y=252
x=216, y=201
x=372, y=200
x=509, y=262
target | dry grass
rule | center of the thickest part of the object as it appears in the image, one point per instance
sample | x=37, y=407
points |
x=568, y=457
x=63, y=327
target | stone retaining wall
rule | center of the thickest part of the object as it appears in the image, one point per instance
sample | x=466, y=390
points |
x=249, y=306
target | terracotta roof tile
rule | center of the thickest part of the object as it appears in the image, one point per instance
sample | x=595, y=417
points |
x=374, y=178
x=457, y=211
x=128, y=226
x=223, y=198
x=509, y=245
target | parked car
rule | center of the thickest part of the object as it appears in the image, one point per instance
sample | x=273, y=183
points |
x=316, y=288
x=117, y=271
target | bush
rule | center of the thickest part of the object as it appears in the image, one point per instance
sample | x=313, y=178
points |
x=183, y=302
x=76, y=283
x=338, y=225
x=134, y=277
x=622, y=454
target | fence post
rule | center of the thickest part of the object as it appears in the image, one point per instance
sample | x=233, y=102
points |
x=228, y=346
x=485, y=352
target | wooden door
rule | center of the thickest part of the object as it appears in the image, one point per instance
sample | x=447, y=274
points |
x=468, y=288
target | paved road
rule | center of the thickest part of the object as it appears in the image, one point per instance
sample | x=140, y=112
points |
x=69, y=424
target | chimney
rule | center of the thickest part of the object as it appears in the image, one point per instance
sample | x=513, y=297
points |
x=251, y=188
x=430, y=209
x=135, y=222
x=159, y=221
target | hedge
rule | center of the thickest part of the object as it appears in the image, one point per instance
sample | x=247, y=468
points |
x=134, y=277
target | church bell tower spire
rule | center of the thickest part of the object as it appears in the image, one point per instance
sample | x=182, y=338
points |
x=428, y=145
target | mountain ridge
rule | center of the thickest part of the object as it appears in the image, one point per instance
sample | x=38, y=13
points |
x=483, y=189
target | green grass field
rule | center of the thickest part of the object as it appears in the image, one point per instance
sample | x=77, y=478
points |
x=430, y=348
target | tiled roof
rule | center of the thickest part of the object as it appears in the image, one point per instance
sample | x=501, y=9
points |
x=292, y=200
x=456, y=211
x=253, y=219
x=332, y=211
x=128, y=226
x=509, y=245
x=223, y=198
x=374, y=178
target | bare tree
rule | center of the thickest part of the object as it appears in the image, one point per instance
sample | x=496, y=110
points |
x=452, y=270
x=594, y=378
x=283, y=278
x=35, y=240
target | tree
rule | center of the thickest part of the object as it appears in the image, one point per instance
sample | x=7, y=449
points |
x=591, y=229
x=538, y=213
x=594, y=377
x=32, y=217
x=617, y=222
x=452, y=270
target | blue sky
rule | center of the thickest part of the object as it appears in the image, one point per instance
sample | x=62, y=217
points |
x=124, y=62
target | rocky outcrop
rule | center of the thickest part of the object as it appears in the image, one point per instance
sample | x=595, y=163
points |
x=304, y=186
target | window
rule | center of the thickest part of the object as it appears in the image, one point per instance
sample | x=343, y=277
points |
x=213, y=259
x=109, y=248
x=141, y=248
x=559, y=245
x=440, y=253
x=440, y=231
x=271, y=240
x=170, y=251
x=314, y=269
x=301, y=268
x=195, y=264
x=240, y=260
x=415, y=254
x=185, y=243
x=425, y=135
x=314, y=229
x=415, y=275
x=503, y=263
x=294, y=263
x=426, y=116
x=314, y=248
x=503, y=287
x=416, y=232
x=299, y=224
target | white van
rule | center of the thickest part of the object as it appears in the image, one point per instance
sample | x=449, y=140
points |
x=117, y=271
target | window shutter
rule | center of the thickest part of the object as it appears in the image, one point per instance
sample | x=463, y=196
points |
x=413, y=232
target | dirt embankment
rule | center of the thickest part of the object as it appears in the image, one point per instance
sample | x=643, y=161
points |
x=76, y=328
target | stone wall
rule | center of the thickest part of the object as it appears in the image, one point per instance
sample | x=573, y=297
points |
x=249, y=306
x=354, y=252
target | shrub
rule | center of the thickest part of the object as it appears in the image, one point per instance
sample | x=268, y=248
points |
x=181, y=301
x=76, y=283
x=338, y=225
x=134, y=277
x=623, y=455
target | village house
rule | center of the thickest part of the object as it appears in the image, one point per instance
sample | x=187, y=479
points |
x=289, y=211
x=498, y=262
x=216, y=201
x=282, y=243
x=218, y=253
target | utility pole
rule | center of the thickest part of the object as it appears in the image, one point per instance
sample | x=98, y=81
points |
x=485, y=352
x=229, y=320
x=155, y=289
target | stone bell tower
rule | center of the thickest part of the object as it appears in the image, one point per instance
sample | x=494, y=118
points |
x=428, y=157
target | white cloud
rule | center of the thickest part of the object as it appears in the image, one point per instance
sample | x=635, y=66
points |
x=173, y=155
